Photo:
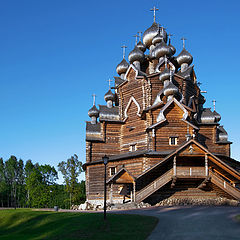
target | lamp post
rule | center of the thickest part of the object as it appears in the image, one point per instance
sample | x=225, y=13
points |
x=105, y=161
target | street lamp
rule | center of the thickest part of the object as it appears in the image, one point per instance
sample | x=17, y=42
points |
x=105, y=161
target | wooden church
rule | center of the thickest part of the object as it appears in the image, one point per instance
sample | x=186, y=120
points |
x=161, y=141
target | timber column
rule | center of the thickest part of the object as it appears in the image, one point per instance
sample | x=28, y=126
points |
x=206, y=165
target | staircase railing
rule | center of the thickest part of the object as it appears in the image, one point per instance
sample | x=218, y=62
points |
x=154, y=186
x=226, y=186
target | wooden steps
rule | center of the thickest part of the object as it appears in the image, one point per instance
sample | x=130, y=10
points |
x=154, y=186
x=224, y=185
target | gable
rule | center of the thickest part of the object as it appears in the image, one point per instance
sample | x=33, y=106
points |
x=192, y=150
x=131, y=73
x=173, y=108
x=134, y=106
x=123, y=176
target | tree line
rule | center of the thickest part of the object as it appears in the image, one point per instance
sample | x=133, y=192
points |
x=32, y=185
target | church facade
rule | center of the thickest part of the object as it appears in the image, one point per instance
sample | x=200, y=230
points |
x=160, y=139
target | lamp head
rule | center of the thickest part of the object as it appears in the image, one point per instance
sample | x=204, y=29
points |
x=105, y=159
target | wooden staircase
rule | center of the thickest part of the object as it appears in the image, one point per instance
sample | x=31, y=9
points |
x=224, y=185
x=154, y=186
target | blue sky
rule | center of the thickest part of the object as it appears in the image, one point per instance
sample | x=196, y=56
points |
x=55, y=54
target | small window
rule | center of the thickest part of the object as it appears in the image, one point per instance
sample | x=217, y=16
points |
x=173, y=140
x=133, y=148
x=112, y=171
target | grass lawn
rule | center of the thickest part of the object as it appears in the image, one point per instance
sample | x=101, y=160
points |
x=28, y=224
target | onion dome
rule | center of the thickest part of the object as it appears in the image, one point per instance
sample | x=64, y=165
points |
x=141, y=46
x=170, y=89
x=161, y=50
x=93, y=112
x=149, y=34
x=122, y=67
x=136, y=55
x=173, y=49
x=217, y=116
x=165, y=74
x=201, y=99
x=109, y=96
x=157, y=39
x=222, y=135
x=184, y=57
x=207, y=116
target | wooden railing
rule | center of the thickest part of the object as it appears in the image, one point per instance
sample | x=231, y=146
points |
x=191, y=171
x=220, y=182
x=154, y=186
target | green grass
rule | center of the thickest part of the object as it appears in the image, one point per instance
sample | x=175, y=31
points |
x=27, y=224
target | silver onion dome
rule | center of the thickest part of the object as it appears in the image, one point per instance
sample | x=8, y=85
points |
x=109, y=96
x=170, y=89
x=165, y=74
x=207, y=116
x=217, y=116
x=201, y=99
x=136, y=55
x=173, y=49
x=161, y=50
x=157, y=39
x=122, y=67
x=141, y=46
x=222, y=135
x=149, y=34
x=184, y=57
x=93, y=112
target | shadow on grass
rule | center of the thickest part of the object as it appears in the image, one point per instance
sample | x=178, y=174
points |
x=34, y=225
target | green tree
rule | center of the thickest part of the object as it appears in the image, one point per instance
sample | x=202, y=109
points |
x=70, y=170
x=3, y=184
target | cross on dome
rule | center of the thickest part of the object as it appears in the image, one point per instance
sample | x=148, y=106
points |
x=109, y=83
x=94, y=99
x=183, y=39
x=136, y=36
x=154, y=9
x=170, y=35
x=140, y=35
x=124, y=50
x=214, y=104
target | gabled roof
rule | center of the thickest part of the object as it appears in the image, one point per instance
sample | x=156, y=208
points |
x=216, y=160
x=128, y=176
x=161, y=118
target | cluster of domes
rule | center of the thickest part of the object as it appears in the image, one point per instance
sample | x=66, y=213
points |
x=155, y=39
x=93, y=112
x=208, y=117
